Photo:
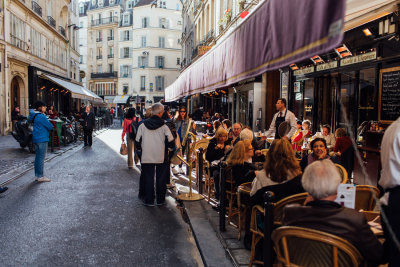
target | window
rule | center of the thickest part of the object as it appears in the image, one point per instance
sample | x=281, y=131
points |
x=99, y=53
x=143, y=44
x=160, y=83
x=126, y=19
x=125, y=89
x=110, y=67
x=145, y=22
x=161, y=42
x=142, y=83
x=99, y=68
x=126, y=52
x=101, y=2
x=81, y=9
x=80, y=59
x=179, y=22
x=177, y=7
x=159, y=62
x=130, y=4
x=81, y=24
x=126, y=71
x=178, y=61
x=99, y=37
x=17, y=32
x=126, y=36
x=142, y=61
x=110, y=52
x=36, y=42
x=112, y=2
x=164, y=23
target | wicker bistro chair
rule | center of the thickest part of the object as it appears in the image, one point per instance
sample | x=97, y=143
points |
x=297, y=246
x=209, y=181
x=343, y=173
x=243, y=199
x=365, y=197
x=257, y=233
x=231, y=193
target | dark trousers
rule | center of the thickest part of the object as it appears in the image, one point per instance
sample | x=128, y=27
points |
x=87, y=136
x=148, y=171
x=215, y=174
x=392, y=212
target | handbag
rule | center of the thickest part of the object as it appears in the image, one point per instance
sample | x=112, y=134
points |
x=124, y=149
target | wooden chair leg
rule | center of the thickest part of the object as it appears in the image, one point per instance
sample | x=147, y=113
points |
x=239, y=215
x=253, y=249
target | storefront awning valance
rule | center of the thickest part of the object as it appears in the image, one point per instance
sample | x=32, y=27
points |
x=275, y=35
x=120, y=99
x=77, y=91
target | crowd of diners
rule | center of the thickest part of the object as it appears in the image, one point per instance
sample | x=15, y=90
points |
x=287, y=172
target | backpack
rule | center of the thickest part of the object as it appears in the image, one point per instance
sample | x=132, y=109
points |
x=133, y=127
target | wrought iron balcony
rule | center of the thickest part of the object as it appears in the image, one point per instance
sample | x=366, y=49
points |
x=99, y=39
x=51, y=21
x=99, y=57
x=110, y=56
x=36, y=8
x=103, y=75
x=110, y=38
x=104, y=21
x=142, y=88
x=61, y=30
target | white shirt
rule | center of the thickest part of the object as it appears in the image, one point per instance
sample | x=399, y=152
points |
x=330, y=139
x=153, y=143
x=290, y=117
x=390, y=158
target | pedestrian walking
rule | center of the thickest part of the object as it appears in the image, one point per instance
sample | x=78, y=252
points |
x=168, y=154
x=112, y=116
x=152, y=136
x=181, y=124
x=88, y=125
x=40, y=138
x=282, y=115
x=121, y=114
x=128, y=130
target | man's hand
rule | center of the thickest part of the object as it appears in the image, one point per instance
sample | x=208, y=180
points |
x=257, y=152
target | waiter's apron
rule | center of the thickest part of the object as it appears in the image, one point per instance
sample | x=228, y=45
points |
x=278, y=121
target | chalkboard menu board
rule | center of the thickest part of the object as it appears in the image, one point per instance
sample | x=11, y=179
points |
x=389, y=95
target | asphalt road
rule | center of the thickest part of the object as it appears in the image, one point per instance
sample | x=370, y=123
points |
x=89, y=215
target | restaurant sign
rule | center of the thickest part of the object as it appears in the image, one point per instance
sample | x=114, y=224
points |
x=327, y=66
x=357, y=59
x=203, y=49
x=303, y=71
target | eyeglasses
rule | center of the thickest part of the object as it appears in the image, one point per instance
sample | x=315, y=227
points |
x=182, y=111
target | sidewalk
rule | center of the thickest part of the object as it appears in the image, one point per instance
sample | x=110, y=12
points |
x=15, y=161
x=217, y=248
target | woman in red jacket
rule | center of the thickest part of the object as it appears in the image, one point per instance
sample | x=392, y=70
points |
x=298, y=139
x=343, y=142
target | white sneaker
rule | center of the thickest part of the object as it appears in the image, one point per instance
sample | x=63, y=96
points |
x=180, y=170
x=174, y=171
x=43, y=179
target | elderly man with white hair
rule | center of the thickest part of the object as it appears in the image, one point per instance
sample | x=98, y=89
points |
x=151, y=137
x=321, y=180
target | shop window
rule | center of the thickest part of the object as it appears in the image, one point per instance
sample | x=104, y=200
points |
x=366, y=96
x=347, y=101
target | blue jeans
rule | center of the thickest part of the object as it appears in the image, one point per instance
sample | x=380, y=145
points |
x=40, y=151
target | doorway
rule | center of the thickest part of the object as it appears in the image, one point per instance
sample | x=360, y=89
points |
x=15, y=92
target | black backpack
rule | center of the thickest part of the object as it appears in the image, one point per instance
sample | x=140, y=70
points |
x=133, y=127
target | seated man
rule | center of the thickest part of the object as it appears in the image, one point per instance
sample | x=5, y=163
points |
x=321, y=180
x=327, y=135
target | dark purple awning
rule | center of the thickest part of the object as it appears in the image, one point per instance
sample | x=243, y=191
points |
x=276, y=34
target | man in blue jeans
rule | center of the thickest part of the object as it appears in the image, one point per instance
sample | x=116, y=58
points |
x=40, y=137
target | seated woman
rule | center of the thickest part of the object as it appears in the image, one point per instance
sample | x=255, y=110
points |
x=239, y=163
x=319, y=152
x=281, y=165
x=247, y=134
x=298, y=139
x=216, y=150
x=343, y=142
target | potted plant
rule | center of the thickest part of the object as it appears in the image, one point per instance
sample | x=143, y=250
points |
x=228, y=15
x=221, y=25
x=241, y=4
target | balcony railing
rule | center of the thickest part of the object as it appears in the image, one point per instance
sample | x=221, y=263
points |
x=195, y=52
x=126, y=75
x=18, y=42
x=61, y=30
x=99, y=57
x=51, y=21
x=99, y=39
x=103, y=92
x=36, y=8
x=104, y=21
x=110, y=38
x=102, y=75
x=110, y=56
x=126, y=56
x=142, y=89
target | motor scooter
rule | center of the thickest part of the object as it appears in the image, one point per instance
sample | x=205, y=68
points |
x=23, y=133
x=67, y=133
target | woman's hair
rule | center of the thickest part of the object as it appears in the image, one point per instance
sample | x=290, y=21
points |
x=340, y=132
x=227, y=122
x=216, y=124
x=246, y=134
x=178, y=116
x=221, y=132
x=237, y=155
x=280, y=161
x=308, y=123
x=130, y=114
x=317, y=140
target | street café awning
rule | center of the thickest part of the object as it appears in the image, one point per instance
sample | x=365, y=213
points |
x=120, y=99
x=277, y=34
x=77, y=91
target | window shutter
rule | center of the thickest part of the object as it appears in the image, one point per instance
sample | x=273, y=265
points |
x=121, y=53
x=130, y=35
x=130, y=52
x=156, y=62
x=160, y=22
x=146, y=61
x=121, y=73
x=138, y=61
x=166, y=23
x=130, y=71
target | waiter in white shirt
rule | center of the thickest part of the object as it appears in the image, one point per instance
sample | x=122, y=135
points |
x=390, y=181
x=282, y=115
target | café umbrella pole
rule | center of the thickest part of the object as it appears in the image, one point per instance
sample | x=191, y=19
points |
x=189, y=196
